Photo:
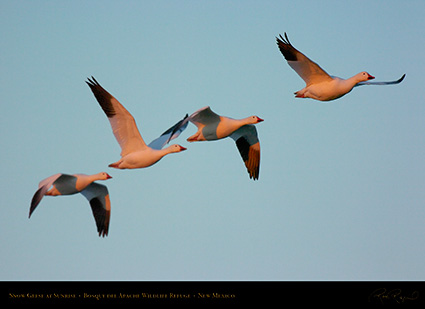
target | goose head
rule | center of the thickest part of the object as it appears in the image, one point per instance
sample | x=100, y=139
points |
x=176, y=148
x=254, y=120
x=104, y=176
x=364, y=76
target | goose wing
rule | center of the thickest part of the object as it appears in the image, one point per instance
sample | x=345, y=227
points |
x=98, y=197
x=248, y=144
x=122, y=122
x=43, y=187
x=170, y=134
x=398, y=81
x=204, y=116
x=308, y=70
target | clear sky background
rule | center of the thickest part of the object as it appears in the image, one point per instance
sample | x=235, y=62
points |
x=341, y=194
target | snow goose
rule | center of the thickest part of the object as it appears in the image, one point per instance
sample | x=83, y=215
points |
x=319, y=84
x=96, y=194
x=134, y=152
x=214, y=127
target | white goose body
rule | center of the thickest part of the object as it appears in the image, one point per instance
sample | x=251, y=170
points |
x=144, y=158
x=96, y=194
x=319, y=84
x=329, y=89
x=214, y=127
x=70, y=184
x=222, y=129
x=134, y=151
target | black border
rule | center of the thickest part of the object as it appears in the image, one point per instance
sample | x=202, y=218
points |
x=277, y=294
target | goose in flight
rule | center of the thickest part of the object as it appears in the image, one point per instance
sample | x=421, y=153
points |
x=134, y=151
x=319, y=84
x=96, y=194
x=214, y=127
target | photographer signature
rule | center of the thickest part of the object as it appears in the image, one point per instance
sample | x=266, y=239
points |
x=395, y=295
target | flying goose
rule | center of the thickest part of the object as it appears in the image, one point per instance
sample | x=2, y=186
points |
x=96, y=194
x=134, y=151
x=214, y=127
x=319, y=84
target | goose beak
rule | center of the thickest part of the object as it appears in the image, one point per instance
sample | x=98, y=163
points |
x=182, y=148
x=259, y=119
x=370, y=76
x=108, y=176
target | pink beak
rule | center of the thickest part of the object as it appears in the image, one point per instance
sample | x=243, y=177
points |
x=108, y=176
x=370, y=76
x=182, y=148
x=259, y=119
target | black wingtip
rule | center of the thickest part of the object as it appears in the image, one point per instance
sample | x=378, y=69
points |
x=92, y=81
x=284, y=40
x=32, y=208
x=102, y=96
x=103, y=233
x=95, y=81
x=287, y=39
x=89, y=82
x=279, y=39
x=36, y=199
x=288, y=51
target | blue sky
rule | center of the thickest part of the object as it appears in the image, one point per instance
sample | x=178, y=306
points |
x=341, y=191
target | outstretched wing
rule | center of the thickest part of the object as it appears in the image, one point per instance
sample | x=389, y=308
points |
x=249, y=147
x=43, y=187
x=398, y=81
x=204, y=116
x=98, y=196
x=122, y=122
x=170, y=134
x=308, y=70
